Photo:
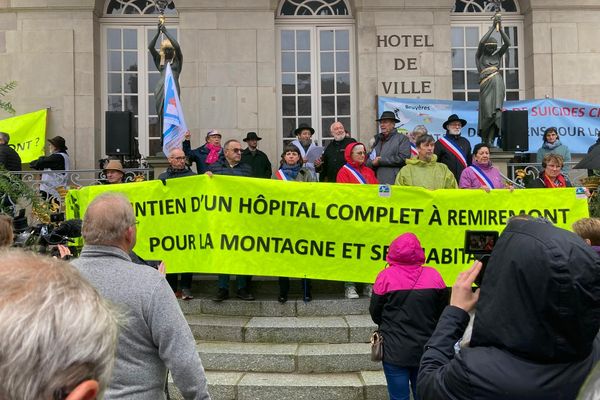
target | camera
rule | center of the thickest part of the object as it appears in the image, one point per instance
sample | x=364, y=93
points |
x=480, y=244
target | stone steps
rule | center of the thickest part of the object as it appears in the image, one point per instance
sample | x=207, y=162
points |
x=365, y=385
x=290, y=357
x=265, y=350
x=340, y=329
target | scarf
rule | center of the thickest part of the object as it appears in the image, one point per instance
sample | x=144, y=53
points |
x=213, y=154
x=291, y=171
x=558, y=182
x=552, y=146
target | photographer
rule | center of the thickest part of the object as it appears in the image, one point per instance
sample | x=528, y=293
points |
x=534, y=333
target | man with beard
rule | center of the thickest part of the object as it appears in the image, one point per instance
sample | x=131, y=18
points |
x=333, y=157
x=424, y=170
x=305, y=144
x=452, y=149
x=390, y=151
x=258, y=160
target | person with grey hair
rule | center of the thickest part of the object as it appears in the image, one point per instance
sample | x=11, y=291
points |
x=58, y=336
x=231, y=165
x=158, y=336
x=416, y=133
x=9, y=158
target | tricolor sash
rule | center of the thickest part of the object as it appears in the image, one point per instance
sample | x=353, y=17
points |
x=455, y=150
x=357, y=175
x=482, y=177
x=413, y=150
x=281, y=175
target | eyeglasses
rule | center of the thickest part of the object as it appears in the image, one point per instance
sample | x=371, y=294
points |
x=177, y=158
x=236, y=150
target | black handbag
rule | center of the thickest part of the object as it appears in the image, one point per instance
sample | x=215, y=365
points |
x=376, y=346
x=377, y=337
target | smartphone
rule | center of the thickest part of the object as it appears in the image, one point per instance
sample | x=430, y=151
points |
x=480, y=244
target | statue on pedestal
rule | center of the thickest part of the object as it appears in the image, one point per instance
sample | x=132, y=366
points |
x=491, y=83
x=170, y=52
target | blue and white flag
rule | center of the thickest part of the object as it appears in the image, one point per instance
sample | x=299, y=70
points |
x=174, y=126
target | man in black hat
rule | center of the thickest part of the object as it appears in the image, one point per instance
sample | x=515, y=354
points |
x=261, y=166
x=452, y=149
x=305, y=144
x=57, y=160
x=390, y=149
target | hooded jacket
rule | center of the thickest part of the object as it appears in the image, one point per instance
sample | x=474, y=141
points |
x=536, y=322
x=345, y=175
x=407, y=301
x=431, y=175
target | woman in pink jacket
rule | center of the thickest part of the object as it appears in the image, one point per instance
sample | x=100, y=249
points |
x=481, y=174
x=408, y=299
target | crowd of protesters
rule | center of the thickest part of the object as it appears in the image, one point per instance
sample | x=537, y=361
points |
x=433, y=343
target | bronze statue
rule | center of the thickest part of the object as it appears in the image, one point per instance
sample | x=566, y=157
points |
x=170, y=52
x=491, y=84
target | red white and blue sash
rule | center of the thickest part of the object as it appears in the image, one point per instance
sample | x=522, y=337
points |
x=455, y=150
x=482, y=177
x=281, y=175
x=357, y=175
x=413, y=150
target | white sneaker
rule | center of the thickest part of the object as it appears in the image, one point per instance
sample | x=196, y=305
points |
x=367, y=290
x=351, y=293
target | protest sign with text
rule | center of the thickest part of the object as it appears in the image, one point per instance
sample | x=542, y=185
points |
x=316, y=230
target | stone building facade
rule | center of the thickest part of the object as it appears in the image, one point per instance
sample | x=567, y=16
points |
x=268, y=65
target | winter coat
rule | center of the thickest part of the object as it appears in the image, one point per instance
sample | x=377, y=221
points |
x=258, y=160
x=562, y=150
x=407, y=301
x=333, y=159
x=430, y=175
x=446, y=157
x=394, y=151
x=176, y=173
x=345, y=175
x=536, y=322
x=222, y=167
x=469, y=180
x=538, y=183
x=9, y=158
x=198, y=156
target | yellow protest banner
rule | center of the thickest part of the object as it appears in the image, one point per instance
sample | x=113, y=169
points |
x=27, y=134
x=317, y=230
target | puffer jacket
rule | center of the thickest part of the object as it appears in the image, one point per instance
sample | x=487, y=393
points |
x=407, y=301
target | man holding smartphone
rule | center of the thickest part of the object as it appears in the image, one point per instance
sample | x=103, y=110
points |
x=538, y=315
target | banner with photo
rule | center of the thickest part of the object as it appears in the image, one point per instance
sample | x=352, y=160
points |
x=316, y=230
x=577, y=123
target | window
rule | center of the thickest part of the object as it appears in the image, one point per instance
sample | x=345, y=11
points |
x=129, y=74
x=315, y=67
x=470, y=21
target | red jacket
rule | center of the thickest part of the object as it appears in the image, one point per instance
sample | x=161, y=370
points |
x=345, y=174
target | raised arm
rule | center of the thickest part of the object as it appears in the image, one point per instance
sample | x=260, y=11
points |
x=482, y=42
x=152, y=49
x=505, y=43
x=175, y=44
